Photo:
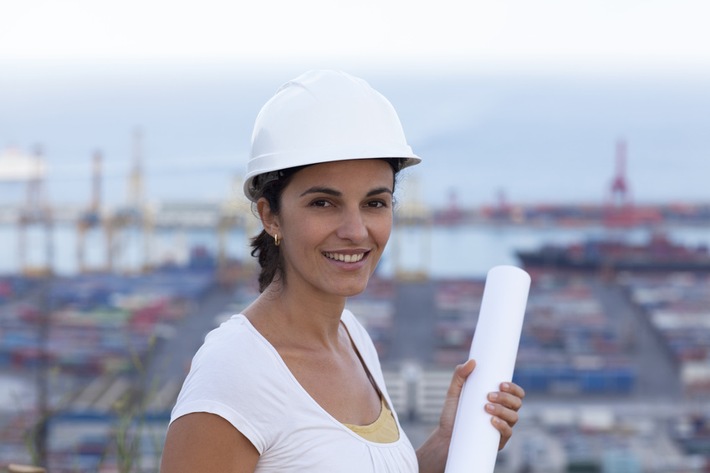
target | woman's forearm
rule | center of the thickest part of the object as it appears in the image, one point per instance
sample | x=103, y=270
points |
x=433, y=453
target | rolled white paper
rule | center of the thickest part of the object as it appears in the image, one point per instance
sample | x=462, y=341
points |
x=474, y=442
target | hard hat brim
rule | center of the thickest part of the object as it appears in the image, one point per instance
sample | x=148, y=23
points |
x=269, y=163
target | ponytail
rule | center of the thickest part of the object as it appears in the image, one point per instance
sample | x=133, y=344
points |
x=263, y=246
x=269, y=257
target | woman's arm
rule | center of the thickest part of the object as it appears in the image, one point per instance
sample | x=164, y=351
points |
x=206, y=442
x=503, y=407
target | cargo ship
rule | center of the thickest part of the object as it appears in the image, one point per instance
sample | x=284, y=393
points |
x=659, y=253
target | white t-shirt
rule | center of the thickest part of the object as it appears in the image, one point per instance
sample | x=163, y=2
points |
x=238, y=375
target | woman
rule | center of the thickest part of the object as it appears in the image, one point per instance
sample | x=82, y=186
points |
x=293, y=383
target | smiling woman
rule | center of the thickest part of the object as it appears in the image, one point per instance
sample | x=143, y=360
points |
x=335, y=220
x=293, y=382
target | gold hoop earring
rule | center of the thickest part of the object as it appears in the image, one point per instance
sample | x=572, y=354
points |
x=277, y=241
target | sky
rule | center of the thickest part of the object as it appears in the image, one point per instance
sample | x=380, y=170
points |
x=510, y=83
x=547, y=34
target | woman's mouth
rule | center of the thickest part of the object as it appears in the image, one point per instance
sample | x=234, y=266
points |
x=345, y=258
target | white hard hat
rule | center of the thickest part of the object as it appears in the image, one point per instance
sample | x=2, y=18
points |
x=324, y=116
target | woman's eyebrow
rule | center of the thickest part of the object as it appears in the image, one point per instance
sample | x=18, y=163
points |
x=379, y=190
x=336, y=193
x=321, y=190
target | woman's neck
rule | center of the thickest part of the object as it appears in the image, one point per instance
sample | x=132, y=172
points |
x=291, y=316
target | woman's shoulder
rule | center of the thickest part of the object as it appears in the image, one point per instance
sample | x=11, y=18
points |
x=232, y=338
x=234, y=362
x=235, y=325
x=229, y=376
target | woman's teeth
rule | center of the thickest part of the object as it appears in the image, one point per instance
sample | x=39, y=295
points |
x=345, y=258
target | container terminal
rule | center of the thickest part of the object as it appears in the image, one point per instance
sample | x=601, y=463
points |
x=617, y=371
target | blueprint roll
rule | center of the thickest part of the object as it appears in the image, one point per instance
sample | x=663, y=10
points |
x=474, y=442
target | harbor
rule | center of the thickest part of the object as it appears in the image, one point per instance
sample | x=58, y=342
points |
x=102, y=309
x=615, y=367
x=103, y=305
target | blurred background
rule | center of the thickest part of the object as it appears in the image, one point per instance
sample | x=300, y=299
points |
x=568, y=138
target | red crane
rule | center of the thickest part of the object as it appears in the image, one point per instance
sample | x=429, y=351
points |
x=621, y=212
x=619, y=187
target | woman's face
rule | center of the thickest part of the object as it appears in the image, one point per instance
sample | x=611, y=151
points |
x=334, y=223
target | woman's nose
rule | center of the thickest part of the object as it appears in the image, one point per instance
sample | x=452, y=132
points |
x=352, y=226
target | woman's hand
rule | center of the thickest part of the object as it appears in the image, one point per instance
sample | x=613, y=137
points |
x=503, y=405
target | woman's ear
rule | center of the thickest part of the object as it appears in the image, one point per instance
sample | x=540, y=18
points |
x=268, y=219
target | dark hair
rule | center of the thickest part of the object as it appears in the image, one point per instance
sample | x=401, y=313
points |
x=263, y=246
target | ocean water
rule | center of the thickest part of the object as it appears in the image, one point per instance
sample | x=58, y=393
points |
x=440, y=252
